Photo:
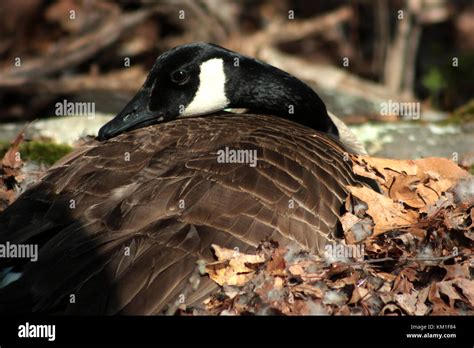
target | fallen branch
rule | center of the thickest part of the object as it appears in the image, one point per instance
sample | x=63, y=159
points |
x=72, y=52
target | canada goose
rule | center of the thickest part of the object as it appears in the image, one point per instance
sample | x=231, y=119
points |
x=121, y=222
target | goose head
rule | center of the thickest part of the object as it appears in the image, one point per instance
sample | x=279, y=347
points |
x=200, y=78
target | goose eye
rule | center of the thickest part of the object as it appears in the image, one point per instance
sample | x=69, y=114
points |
x=179, y=76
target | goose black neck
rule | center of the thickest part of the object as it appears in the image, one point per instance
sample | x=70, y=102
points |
x=264, y=89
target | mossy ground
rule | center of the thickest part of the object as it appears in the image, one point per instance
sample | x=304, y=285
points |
x=46, y=152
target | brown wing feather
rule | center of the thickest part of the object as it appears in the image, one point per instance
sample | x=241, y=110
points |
x=128, y=193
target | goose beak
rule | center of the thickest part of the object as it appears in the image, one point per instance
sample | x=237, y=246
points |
x=134, y=115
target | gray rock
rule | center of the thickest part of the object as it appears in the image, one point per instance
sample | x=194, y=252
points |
x=412, y=140
x=61, y=129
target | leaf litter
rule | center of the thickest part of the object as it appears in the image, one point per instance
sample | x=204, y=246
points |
x=416, y=237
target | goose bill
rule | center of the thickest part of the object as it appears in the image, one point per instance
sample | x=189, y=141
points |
x=135, y=114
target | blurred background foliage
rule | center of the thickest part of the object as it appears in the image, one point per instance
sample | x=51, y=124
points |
x=356, y=54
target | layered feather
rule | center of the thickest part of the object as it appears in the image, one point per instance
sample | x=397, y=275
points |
x=127, y=245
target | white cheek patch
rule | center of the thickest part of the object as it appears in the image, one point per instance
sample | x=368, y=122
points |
x=210, y=96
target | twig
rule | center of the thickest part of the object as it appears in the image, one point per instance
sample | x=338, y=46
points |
x=290, y=30
x=409, y=259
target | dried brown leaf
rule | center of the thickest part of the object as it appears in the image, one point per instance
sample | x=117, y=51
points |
x=358, y=294
x=386, y=214
x=421, y=307
x=407, y=301
x=447, y=289
x=467, y=288
x=352, y=279
x=232, y=267
x=389, y=277
x=416, y=183
x=442, y=168
x=403, y=282
x=458, y=270
x=276, y=265
x=11, y=159
x=348, y=220
x=383, y=170
x=405, y=189
x=309, y=290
